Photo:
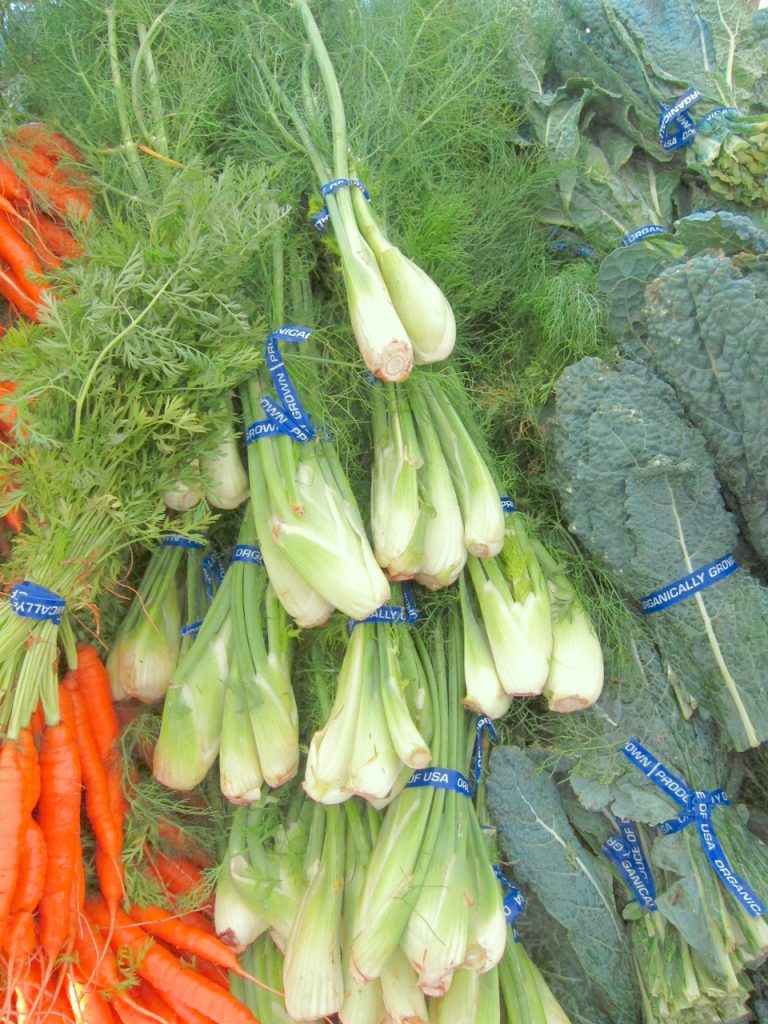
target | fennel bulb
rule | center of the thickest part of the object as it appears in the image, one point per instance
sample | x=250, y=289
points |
x=420, y=304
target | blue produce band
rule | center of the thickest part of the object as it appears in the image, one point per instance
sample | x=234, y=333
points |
x=484, y=724
x=175, y=540
x=409, y=601
x=247, y=553
x=276, y=414
x=631, y=864
x=699, y=579
x=213, y=574
x=646, y=231
x=569, y=247
x=286, y=414
x=321, y=220
x=716, y=113
x=508, y=506
x=698, y=807
x=31, y=601
x=329, y=187
x=439, y=778
x=191, y=629
x=676, y=117
x=393, y=614
x=632, y=842
x=262, y=428
x=514, y=901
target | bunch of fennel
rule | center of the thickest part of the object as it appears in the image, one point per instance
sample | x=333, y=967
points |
x=430, y=891
x=231, y=694
x=378, y=729
x=433, y=498
x=526, y=632
x=399, y=316
x=307, y=520
x=161, y=622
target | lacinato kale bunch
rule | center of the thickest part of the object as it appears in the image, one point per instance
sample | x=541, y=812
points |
x=691, y=966
x=696, y=313
x=638, y=487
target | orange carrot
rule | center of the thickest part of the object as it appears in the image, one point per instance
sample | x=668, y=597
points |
x=37, y=723
x=88, y=1006
x=14, y=520
x=31, y=877
x=95, y=960
x=59, y=817
x=13, y=804
x=20, y=258
x=170, y=833
x=50, y=239
x=43, y=139
x=184, y=937
x=128, y=1013
x=30, y=766
x=20, y=939
x=162, y=970
x=10, y=185
x=12, y=289
x=7, y=412
x=151, y=1000
x=186, y=1014
x=211, y=972
x=97, y=799
x=199, y=921
x=66, y=199
x=179, y=875
x=93, y=684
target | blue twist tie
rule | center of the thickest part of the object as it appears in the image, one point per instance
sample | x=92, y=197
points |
x=321, y=220
x=697, y=806
x=285, y=414
x=175, y=540
x=717, y=112
x=514, y=901
x=508, y=506
x=247, y=553
x=213, y=574
x=699, y=579
x=676, y=116
x=192, y=629
x=565, y=245
x=440, y=778
x=31, y=601
x=329, y=187
x=627, y=854
x=484, y=724
x=639, y=234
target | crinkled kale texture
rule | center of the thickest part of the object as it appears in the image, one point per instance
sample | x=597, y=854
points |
x=700, y=321
x=573, y=885
x=637, y=485
x=637, y=703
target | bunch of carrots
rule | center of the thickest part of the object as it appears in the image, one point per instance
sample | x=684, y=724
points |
x=71, y=951
x=42, y=189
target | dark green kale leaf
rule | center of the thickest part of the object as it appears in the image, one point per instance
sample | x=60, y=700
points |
x=637, y=484
x=574, y=886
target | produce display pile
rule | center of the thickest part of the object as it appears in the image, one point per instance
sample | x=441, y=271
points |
x=384, y=612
